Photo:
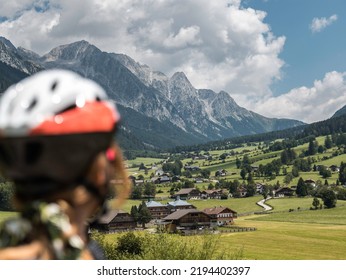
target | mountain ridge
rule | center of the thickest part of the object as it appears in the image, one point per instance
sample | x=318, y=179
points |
x=172, y=105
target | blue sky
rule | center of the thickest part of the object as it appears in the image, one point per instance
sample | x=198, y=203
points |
x=308, y=55
x=278, y=58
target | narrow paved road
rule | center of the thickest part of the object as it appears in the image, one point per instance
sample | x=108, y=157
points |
x=264, y=205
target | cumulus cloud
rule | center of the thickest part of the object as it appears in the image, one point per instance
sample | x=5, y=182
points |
x=318, y=24
x=218, y=44
x=312, y=104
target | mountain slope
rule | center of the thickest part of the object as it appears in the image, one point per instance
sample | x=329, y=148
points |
x=340, y=112
x=158, y=111
x=12, y=57
x=9, y=76
x=218, y=114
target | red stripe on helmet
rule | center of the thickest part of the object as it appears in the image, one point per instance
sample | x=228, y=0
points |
x=92, y=117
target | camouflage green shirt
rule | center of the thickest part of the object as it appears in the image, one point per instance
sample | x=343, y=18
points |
x=49, y=218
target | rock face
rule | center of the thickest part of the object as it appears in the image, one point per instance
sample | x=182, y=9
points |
x=158, y=111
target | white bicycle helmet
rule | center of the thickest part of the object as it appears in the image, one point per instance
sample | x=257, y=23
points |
x=52, y=125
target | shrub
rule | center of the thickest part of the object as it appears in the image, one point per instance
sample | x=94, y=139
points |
x=164, y=246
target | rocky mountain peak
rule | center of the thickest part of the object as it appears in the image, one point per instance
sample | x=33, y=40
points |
x=158, y=110
x=7, y=44
x=180, y=78
x=28, y=54
x=12, y=57
x=72, y=51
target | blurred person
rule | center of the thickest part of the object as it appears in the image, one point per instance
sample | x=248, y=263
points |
x=57, y=146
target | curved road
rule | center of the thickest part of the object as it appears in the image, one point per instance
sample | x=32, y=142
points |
x=264, y=205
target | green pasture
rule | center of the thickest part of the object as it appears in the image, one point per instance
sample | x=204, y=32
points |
x=287, y=240
x=334, y=216
x=145, y=160
x=282, y=235
x=285, y=204
x=334, y=161
x=297, y=235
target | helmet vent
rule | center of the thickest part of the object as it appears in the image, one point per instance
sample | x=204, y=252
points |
x=54, y=85
x=67, y=109
x=32, y=105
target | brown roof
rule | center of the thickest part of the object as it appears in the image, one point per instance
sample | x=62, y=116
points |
x=282, y=189
x=181, y=213
x=217, y=210
x=107, y=218
x=185, y=191
x=212, y=191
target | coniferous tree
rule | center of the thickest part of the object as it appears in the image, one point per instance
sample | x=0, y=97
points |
x=134, y=213
x=302, y=189
x=342, y=173
x=144, y=215
x=312, y=149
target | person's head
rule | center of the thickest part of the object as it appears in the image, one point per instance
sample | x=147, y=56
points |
x=57, y=138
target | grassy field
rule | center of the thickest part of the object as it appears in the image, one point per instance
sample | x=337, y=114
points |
x=284, y=204
x=145, y=161
x=335, y=216
x=275, y=240
x=297, y=235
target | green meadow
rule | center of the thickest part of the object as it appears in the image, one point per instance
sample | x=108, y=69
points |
x=297, y=235
x=282, y=235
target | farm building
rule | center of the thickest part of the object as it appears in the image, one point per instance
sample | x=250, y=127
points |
x=223, y=215
x=189, y=193
x=188, y=219
x=115, y=220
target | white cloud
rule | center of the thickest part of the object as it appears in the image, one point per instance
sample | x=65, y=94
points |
x=313, y=104
x=318, y=24
x=218, y=44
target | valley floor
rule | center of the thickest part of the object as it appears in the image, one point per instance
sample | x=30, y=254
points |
x=300, y=237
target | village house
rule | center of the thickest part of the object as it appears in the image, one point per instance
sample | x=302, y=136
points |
x=157, y=209
x=179, y=204
x=191, y=168
x=221, y=173
x=334, y=168
x=212, y=194
x=242, y=191
x=199, y=180
x=283, y=192
x=310, y=182
x=115, y=220
x=254, y=168
x=188, y=193
x=188, y=219
x=159, y=172
x=223, y=215
x=161, y=179
x=259, y=188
